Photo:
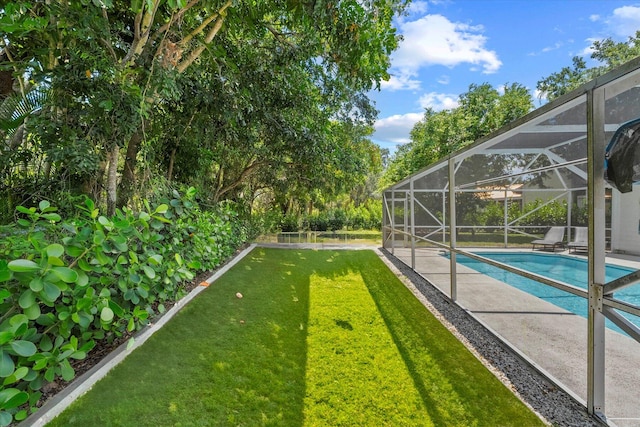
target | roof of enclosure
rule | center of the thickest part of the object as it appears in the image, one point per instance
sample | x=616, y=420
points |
x=549, y=143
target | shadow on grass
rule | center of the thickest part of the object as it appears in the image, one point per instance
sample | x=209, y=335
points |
x=224, y=360
x=455, y=387
x=221, y=360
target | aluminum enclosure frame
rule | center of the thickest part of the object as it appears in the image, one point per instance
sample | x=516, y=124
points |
x=560, y=149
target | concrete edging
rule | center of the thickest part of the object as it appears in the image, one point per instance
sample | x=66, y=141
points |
x=54, y=406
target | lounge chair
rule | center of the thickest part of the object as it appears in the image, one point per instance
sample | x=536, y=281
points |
x=580, y=240
x=554, y=237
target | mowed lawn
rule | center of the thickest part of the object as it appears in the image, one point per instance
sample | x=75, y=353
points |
x=320, y=338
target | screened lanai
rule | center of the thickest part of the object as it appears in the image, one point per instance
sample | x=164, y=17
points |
x=504, y=191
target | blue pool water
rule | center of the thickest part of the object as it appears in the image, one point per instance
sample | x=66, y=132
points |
x=566, y=269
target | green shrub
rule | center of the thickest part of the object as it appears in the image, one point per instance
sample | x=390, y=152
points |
x=318, y=222
x=68, y=284
x=289, y=224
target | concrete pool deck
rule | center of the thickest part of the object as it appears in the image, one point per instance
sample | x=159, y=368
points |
x=550, y=337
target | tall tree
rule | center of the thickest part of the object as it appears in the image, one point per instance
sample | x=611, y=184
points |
x=609, y=53
x=481, y=111
x=128, y=63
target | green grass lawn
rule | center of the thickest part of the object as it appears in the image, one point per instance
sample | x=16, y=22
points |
x=320, y=338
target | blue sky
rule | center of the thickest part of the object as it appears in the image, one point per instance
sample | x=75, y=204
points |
x=450, y=44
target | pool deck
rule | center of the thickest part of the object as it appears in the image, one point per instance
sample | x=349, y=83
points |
x=550, y=337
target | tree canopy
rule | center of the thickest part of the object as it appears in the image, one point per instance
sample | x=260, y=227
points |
x=235, y=97
x=481, y=110
x=608, y=53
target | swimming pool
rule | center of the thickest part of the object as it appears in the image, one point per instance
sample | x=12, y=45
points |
x=563, y=268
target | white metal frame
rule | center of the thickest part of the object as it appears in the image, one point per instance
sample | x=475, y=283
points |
x=600, y=295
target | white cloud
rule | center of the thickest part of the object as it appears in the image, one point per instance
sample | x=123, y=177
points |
x=594, y=18
x=438, y=101
x=400, y=82
x=587, y=51
x=396, y=128
x=625, y=21
x=444, y=79
x=557, y=45
x=417, y=7
x=434, y=40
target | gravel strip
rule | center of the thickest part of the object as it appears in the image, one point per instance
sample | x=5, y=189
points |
x=551, y=403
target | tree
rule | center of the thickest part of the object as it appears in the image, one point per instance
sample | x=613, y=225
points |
x=121, y=72
x=481, y=111
x=609, y=53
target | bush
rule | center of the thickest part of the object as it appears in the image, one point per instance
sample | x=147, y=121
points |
x=318, y=222
x=68, y=284
x=289, y=224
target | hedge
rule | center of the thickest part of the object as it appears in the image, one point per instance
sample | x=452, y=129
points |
x=67, y=285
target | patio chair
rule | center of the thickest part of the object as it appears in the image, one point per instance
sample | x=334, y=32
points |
x=554, y=237
x=580, y=240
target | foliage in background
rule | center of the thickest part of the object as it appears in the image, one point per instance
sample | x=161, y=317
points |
x=261, y=102
x=367, y=216
x=610, y=55
x=481, y=111
x=70, y=283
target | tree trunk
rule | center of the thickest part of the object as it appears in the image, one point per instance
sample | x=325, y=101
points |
x=172, y=160
x=128, y=183
x=112, y=180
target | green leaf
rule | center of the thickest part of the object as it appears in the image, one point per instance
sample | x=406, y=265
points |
x=155, y=259
x=65, y=274
x=51, y=291
x=83, y=279
x=149, y=272
x=98, y=237
x=106, y=315
x=24, y=210
x=6, y=364
x=161, y=208
x=23, y=348
x=120, y=242
x=4, y=294
x=44, y=205
x=74, y=251
x=32, y=312
x=5, y=337
x=52, y=217
x=107, y=104
x=136, y=5
x=13, y=399
x=5, y=274
x=36, y=284
x=83, y=264
x=17, y=375
x=45, y=343
x=55, y=250
x=5, y=418
x=24, y=223
x=27, y=299
x=21, y=415
x=55, y=261
x=117, y=310
x=23, y=266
